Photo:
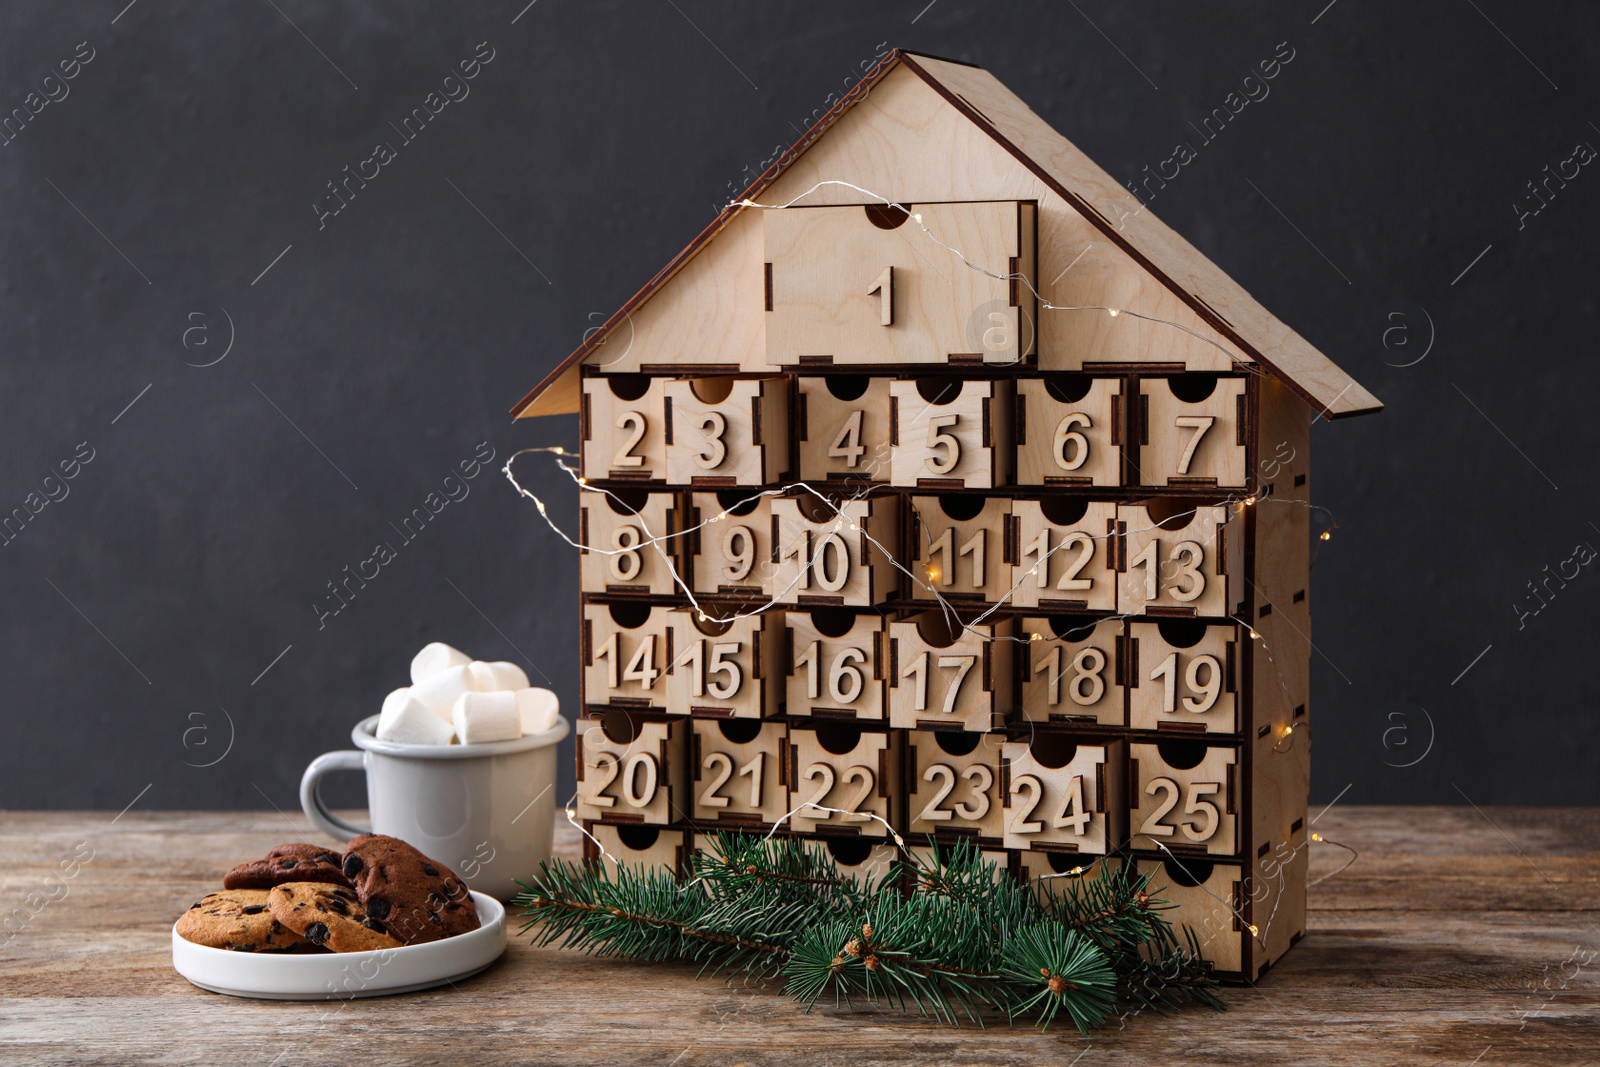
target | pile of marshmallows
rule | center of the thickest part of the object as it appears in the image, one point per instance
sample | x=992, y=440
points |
x=455, y=698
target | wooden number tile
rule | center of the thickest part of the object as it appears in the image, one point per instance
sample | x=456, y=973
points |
x=1064, y=554
x=858, y=858
x=836, y=664
x=852, y=771
x=632, y=771
x=623, y=425
x=877, y=284
x=727, y=669
x=950, y=433
x=945, y=673
x=1180, y=559
x=729, y=544
x=1184, y=796
x=1074, y=670
x=740, y=774
x=635, y=845
x=727, y=431
x=1069, y=430
x=1183, y=675
x=1057, y=874
x=1192, y=431
x=953, y=784
x=1210, y=899
x=627, y=648
x=838, y=554
x=931, y=855
x=842, y=427
x=632, y=542
x=959, y=550
x=1063, y=796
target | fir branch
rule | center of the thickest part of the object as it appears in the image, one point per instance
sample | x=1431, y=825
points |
x=970, y=940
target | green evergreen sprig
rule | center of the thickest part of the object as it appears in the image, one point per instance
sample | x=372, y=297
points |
x=967, y=940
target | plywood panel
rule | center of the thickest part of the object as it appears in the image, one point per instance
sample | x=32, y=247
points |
x=842, y=428
x=870, y=284
x=948, y=674
x=724, y=431
x=1074, y=670
x=1069, y=430
x=958, y=550
x=1064, y=551
x=946, y=433
x=1064, y=796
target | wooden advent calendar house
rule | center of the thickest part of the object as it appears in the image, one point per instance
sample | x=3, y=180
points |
x=1035, y=573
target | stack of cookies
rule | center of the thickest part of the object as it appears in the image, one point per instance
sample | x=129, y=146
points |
x=380, y=893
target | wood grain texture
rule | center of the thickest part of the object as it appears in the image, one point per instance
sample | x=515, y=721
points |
x=1429, y=949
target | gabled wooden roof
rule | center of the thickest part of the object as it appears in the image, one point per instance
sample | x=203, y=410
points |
x=1214, y=297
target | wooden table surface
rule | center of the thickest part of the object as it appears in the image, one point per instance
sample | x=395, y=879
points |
x=1458, y=937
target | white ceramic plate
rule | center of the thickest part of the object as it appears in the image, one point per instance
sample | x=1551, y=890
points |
x=345, y=975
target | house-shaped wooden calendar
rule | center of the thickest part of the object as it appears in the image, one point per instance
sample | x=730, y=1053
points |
x=938, y=480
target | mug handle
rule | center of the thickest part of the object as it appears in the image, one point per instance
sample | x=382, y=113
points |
x=311, y=803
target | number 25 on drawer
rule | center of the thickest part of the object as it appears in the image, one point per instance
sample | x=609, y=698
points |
x=1184, y=796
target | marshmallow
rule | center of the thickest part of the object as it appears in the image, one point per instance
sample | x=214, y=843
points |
x=483, y=717
x=440, y=691
x=540, y=709
x=407, y=720
x=506, y=676
x=484, y=678
x=436, y=657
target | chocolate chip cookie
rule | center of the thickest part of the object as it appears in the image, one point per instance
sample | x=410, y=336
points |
x=287, y=863
x=328, y=915
x=239, y=920
x=419, y=899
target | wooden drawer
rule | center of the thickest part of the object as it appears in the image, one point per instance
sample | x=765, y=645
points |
x=1064, y=554
x=1192, y=431
x=835, y=664
x=1180, y=559
x=1183, y=675
x=1062, y=796
x=1069, y=430
x=860, y=858
x=930, y=854
x=843, y=767
x=835, y=554
x=740, y=774
x=626, y=655
x=635, y=845
x=953, y=784
x=943, y=674
x=1054, y=873
x=1211, y=899
x=622, y=423
x=727, y=431
x=1184, y=796
x=842, y=428
x=958, y=548
x=874, y=284
x=1074, y=670
x=731, y=669
x=729, y=544
x=632, y=549
x=950, y=433
x=632, y=771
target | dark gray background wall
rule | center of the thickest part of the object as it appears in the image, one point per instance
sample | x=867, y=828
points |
x=161, y=213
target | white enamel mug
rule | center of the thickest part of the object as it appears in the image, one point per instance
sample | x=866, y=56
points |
x=487, y=810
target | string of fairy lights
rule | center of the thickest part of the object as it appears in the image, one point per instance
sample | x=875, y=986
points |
x=661, y=543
